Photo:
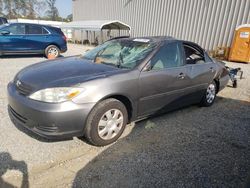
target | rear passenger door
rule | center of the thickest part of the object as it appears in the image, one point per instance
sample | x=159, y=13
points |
x=164, y=83
x=37, y=37
x=203, y=70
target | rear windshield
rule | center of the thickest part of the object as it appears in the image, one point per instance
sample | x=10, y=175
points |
x=121, y=53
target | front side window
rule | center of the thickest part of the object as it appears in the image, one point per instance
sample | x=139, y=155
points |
x=121, y=53
x=168, y=56
x=16, y=29
x=193, y=56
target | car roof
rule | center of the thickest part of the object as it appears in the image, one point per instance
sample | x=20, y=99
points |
x=155, y=39
x=31, y=24
x=159, y=39
x=152, y=39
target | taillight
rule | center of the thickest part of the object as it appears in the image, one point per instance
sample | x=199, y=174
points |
x=64, y=37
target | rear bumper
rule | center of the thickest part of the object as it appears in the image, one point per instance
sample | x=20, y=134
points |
x=52, y=121
x=64, y=49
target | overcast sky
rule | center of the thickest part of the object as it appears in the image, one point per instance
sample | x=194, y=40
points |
x=64, y=7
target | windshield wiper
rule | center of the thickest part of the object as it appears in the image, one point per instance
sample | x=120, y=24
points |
x=110, y=64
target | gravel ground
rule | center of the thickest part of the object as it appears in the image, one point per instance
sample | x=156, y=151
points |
x=35, y=153
x=191, y=147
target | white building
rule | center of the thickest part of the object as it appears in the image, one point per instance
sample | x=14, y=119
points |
x=209, y=23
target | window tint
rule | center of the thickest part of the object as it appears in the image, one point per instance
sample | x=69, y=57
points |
x=168, y=56
x=34, y=30
x=193, y=56
x=17, y=29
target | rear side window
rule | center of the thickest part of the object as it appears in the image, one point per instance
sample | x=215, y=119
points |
x=168, y=56
x=56, y=30
x=193, y=56
x=16, y=29
x=45, y=31
x=35, y=30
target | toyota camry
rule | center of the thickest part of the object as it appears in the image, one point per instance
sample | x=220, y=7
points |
x=123, y=80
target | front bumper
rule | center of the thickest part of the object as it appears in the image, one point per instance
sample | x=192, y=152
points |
x=52, y=121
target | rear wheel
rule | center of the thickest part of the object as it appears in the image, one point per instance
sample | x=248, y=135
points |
x=52, y=51
x=210, y=95
x=106, y=122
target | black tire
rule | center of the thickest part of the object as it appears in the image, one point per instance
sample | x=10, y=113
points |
x=52, y=49
x=205, y=101
x=98, y=112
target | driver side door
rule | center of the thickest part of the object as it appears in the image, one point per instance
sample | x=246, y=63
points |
x=164, y=85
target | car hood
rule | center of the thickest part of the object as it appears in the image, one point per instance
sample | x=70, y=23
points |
x=63, y=72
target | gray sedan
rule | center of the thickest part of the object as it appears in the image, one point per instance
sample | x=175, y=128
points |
x=122, y=80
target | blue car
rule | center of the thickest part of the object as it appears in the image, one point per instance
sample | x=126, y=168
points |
x=25, y=38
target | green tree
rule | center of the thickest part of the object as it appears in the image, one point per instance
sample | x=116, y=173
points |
x=69, y=18
x=52, y=11
x=8, y=8
x=30, y=9
x=1, y=8
x=21, y=8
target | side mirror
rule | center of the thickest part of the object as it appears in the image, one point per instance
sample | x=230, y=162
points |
x=4, y=32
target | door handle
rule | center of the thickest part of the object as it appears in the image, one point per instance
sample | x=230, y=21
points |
x=211, y=69
x=181, y=76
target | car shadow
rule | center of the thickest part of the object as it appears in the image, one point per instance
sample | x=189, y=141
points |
x=25, y=56
x=7, y=163
x=22, y=56
x=191, y=147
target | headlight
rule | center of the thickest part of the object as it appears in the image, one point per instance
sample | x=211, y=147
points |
x=56, y=95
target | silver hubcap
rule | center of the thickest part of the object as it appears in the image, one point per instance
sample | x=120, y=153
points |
x=110, y=124
x=53, y=51
x=210, y=93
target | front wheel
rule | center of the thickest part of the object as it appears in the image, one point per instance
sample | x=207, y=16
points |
x=106, y=122
x=52, y=51
x=210, y=95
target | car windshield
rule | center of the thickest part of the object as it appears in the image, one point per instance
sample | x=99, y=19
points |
x=121, y=53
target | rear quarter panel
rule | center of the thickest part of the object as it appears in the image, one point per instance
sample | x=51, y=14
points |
x=221, y=75
x=57, y=40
